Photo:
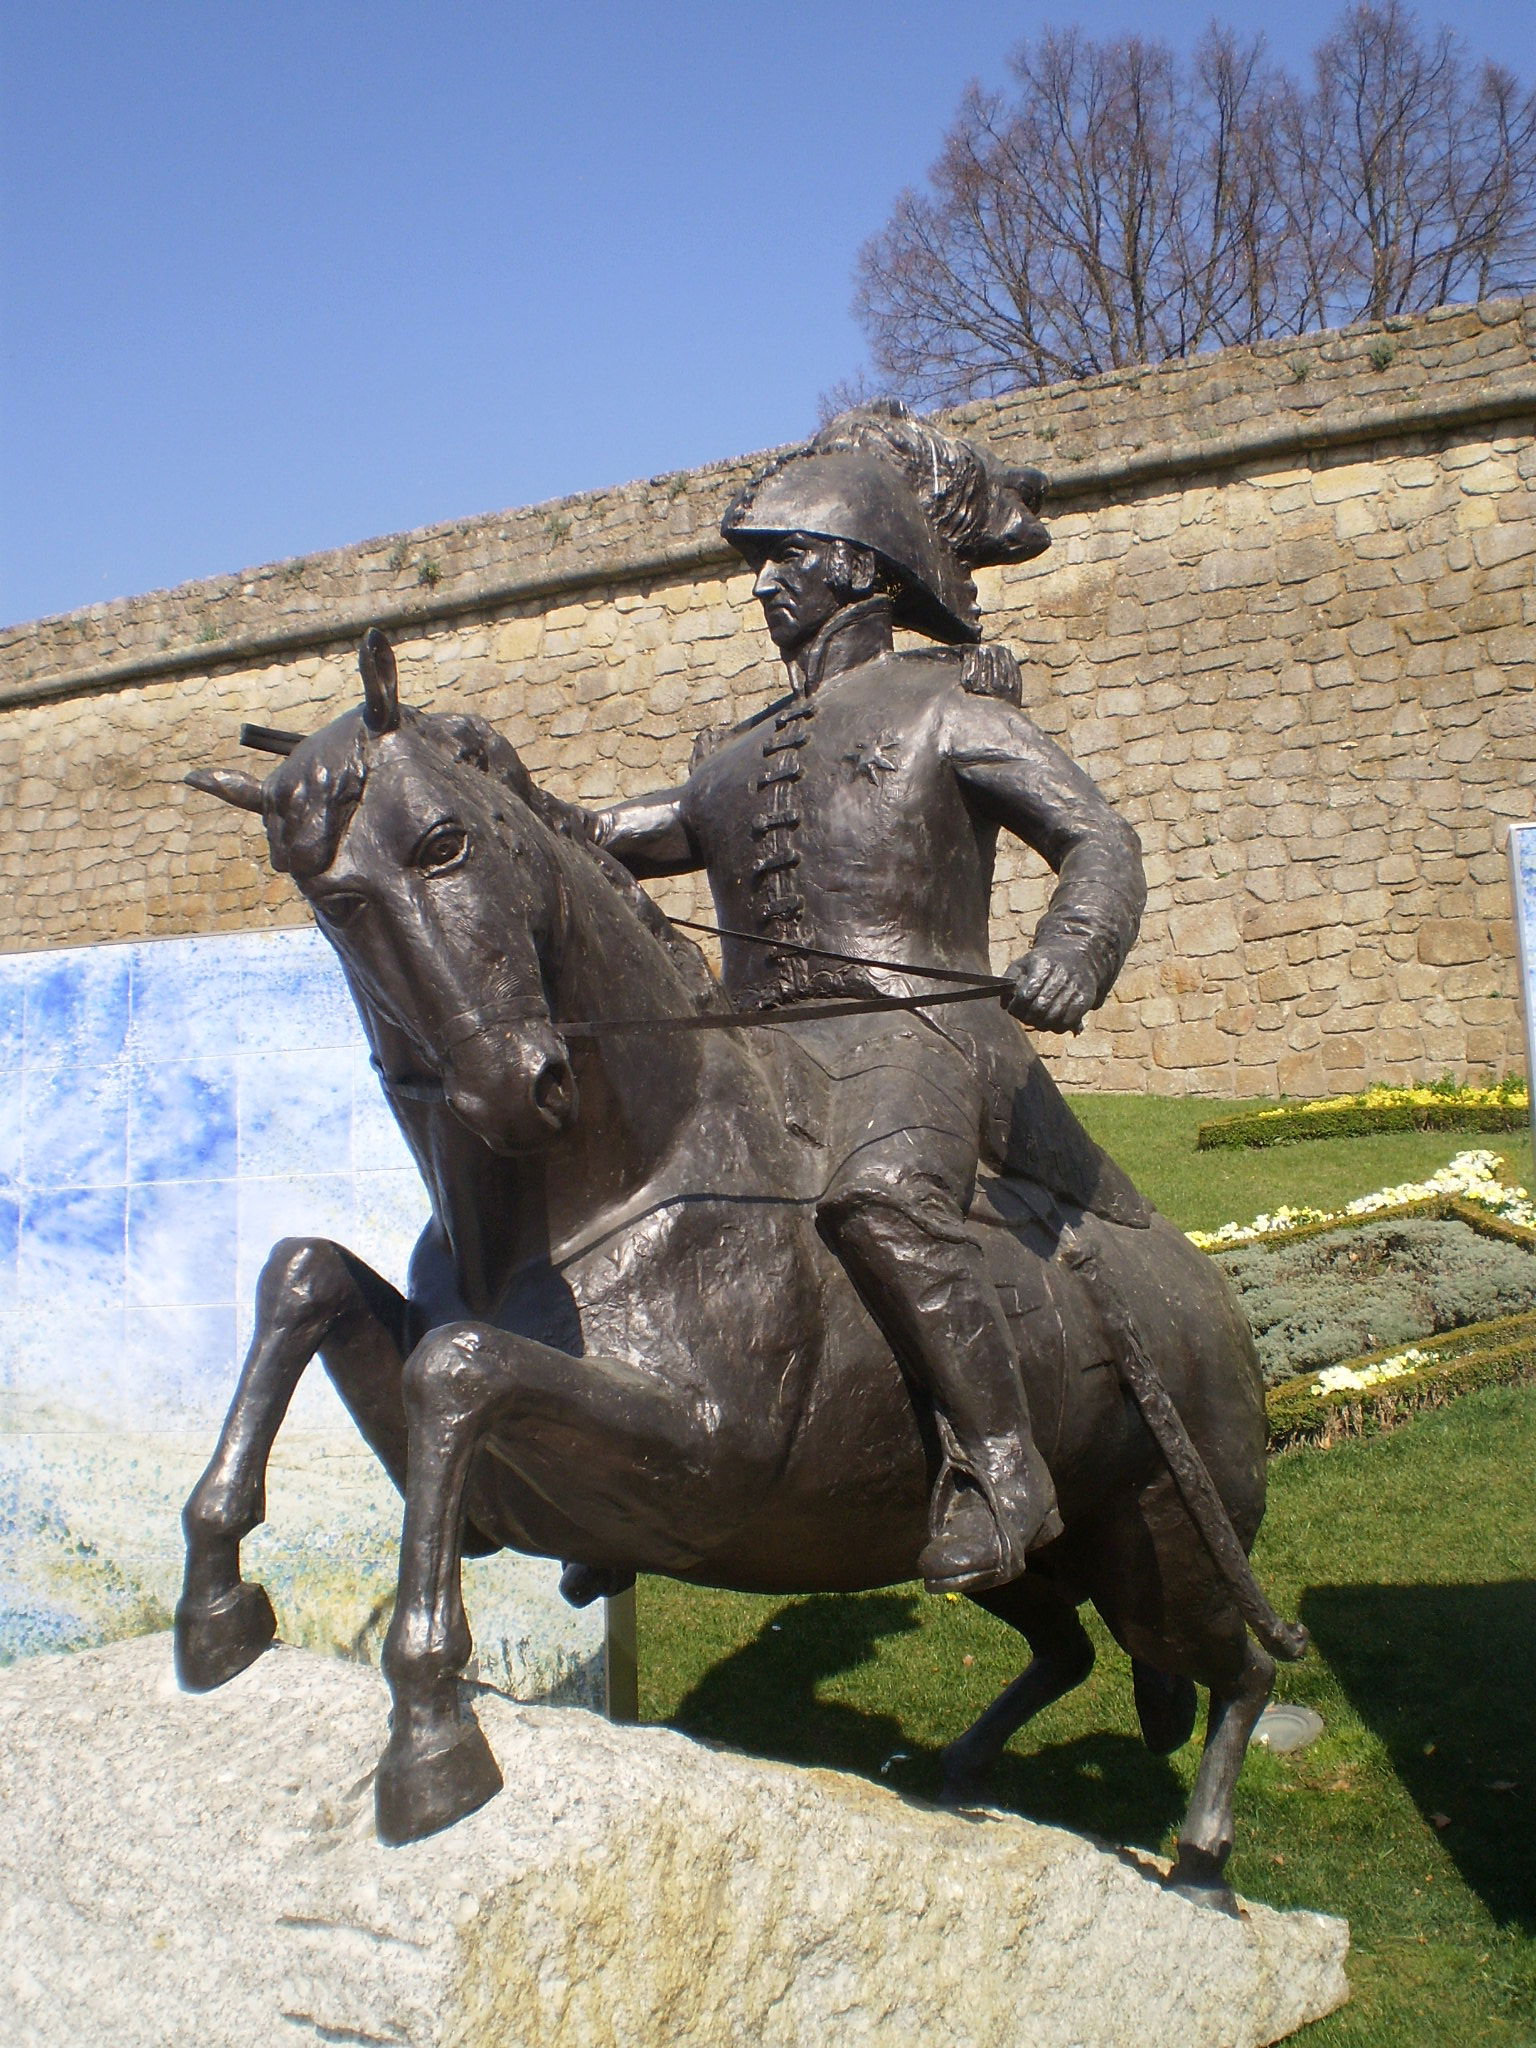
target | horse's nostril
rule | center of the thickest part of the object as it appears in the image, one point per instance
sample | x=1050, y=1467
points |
x=554, y=1092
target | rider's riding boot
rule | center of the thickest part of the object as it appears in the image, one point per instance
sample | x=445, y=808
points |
x=925, y=1282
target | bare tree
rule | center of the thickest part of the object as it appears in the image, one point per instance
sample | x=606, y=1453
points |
x=1118, y=208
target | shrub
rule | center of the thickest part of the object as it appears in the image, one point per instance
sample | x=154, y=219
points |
x=1316, y=1298
x=1431, y=1106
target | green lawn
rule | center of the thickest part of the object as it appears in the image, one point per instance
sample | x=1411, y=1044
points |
x=1411, y=1557
x=1153, y=1138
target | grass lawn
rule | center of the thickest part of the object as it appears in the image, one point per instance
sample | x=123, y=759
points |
x=1411, y=1557
x=1154, y=1140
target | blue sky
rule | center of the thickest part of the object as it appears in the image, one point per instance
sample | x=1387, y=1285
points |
x=279, y=276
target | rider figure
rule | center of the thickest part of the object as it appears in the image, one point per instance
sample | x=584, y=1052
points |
x=859, y=814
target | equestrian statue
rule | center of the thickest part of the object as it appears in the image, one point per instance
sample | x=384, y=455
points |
x=802, y=1278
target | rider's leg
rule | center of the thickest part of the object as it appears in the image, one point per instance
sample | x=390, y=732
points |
x=923, y=1277
x=906, y=1112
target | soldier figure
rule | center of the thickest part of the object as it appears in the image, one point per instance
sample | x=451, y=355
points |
x=858, y=814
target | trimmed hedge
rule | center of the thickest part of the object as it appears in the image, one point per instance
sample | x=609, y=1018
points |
x=1496, y=1354
x=1358, y=1120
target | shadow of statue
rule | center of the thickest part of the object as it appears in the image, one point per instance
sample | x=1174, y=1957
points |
x=1444, y=1676
x=766, y=1698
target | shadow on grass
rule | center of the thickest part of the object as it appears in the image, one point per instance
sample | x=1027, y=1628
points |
x=1444, y=1676
x=767, y=1698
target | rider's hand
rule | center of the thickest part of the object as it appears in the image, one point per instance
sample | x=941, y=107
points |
x=1052, y=991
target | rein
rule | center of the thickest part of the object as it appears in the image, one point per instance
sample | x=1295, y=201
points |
x=968, y=987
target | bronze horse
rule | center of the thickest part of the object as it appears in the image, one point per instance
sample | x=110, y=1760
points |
x=623, y=1342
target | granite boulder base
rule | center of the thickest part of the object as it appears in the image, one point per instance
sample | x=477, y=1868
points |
x=184, y=1872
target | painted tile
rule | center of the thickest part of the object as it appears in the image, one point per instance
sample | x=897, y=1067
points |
x=182, y=1243
x=10, y=1123
x=75, y=1126
x=182, y=1361
x=377, y=1142
x=71, y=1246
x=295, y=1113
x=10, y=1231
x=73, y=1357
x=185, y=999
x=295, y=997
x=77, y=1006
x=181, y=1120
x=15, y=971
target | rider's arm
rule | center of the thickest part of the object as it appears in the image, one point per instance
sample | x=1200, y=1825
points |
x=1018, y=778
x=649, y=834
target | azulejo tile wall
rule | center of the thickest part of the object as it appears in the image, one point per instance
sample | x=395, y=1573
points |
x=169, y=1110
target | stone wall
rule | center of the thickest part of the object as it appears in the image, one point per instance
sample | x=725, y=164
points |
x=1288, y=623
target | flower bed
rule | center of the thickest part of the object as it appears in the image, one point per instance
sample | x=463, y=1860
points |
x=1317, y=1297
x=1438, y=1106
x=1369, y=1395
x=1362, y=1395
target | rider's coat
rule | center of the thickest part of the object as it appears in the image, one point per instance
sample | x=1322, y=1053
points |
x=861, y=814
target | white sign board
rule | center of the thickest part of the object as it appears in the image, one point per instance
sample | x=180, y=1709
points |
x=1522, y=874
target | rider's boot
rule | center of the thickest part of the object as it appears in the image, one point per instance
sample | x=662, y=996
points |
x=925, y=1281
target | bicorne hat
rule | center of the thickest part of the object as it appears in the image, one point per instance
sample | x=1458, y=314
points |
x=860, y=497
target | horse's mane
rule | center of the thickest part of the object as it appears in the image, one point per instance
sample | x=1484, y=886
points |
x=310, y=799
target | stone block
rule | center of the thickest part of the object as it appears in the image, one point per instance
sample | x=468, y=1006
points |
x=1453, y=941
x=629, y=1885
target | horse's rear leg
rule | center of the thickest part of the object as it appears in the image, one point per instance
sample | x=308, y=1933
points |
x=1205, y=1840
x=1063, y=1658
x=311, y=1294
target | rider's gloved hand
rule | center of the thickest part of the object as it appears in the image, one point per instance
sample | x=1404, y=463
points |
x=1053, y=989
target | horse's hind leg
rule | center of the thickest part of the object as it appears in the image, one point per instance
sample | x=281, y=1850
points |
x=311, y=1294
x=1205, y=1840
x=1063, y=1658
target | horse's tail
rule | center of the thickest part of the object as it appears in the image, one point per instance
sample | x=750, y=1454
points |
x=1287, y=1640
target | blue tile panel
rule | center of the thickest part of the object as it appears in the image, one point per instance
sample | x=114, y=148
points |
x=167, y=1111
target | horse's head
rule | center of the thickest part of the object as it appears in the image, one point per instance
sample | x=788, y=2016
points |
x=419, y=843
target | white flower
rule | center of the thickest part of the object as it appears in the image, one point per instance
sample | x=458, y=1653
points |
x=1344, y=1379
x=1471, y=1176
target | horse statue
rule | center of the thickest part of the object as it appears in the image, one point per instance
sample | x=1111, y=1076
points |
x=623, y=1343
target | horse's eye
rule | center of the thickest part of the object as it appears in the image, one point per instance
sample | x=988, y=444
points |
x=444, y=847
x=340, y=906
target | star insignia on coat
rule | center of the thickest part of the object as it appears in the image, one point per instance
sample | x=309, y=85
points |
x=873, y=757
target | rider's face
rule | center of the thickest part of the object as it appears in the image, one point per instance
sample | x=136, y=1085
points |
x=801, y=585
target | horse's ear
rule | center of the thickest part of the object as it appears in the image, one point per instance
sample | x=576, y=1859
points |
x=381, y=682
x=243, y=791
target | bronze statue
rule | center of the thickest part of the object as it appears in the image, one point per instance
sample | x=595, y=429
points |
x=797, y=1284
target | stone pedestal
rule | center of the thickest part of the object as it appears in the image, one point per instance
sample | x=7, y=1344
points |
x=184, y=1872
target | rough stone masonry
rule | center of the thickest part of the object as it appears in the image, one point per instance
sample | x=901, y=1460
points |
x=1288, y=624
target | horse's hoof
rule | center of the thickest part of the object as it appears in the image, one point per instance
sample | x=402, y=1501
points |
x=215, y=1643
x=1198, y=1878
x=417, y=1794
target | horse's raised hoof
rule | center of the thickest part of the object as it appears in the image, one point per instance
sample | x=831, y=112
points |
x=215, y=1643
x=418, y=1793
x=1199, y=1878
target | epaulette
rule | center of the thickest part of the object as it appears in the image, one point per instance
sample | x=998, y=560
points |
x=991, y=671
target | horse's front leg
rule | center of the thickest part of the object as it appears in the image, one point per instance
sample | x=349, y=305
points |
x=311, y=1294
x=623, y=1453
